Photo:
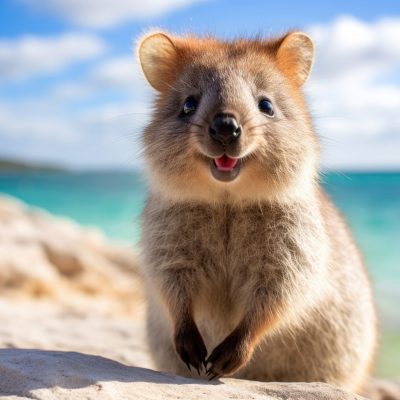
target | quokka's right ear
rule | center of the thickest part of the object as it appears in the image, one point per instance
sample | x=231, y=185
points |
x=158, y=58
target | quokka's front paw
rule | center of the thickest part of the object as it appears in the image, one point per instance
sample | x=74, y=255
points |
x=190, y=346
x=230, y=355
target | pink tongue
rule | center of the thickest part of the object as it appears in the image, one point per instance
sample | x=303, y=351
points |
x=225, y=163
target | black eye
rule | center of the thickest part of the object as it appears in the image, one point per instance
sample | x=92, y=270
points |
x=189, y=106
x=266, y=107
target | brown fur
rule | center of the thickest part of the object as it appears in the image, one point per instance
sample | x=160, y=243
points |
x=261, y=273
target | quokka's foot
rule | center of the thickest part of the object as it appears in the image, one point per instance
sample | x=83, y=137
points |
x=229, y=356
x=190, y=346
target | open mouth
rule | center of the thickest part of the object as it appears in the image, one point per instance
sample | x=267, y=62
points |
x=225, y=168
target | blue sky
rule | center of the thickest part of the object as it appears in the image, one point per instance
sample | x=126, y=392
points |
x=71, y=92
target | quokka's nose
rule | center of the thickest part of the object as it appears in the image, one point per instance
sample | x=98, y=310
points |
x=224, y=129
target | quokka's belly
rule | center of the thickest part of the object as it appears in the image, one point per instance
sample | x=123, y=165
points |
x=216, y=316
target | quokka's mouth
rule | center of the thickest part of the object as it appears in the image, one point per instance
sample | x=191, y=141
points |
x=225, y=168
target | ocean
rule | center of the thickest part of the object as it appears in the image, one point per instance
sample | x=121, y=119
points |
x=112, y=202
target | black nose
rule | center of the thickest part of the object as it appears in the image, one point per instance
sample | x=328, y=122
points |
x=224, y=129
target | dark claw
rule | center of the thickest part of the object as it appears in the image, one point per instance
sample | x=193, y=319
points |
x=188, y=366
x=198, y=370
x=213, y=356
x=214, y=376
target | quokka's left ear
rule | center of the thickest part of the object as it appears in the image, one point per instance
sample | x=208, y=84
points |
x=158, y=58
x=295, y=56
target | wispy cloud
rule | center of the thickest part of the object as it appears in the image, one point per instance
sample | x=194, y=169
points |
x=29, y=56
x=37, y=121
x=104, y=111
x=120, y=73
x=103, y=135
x=106, y=13
x=354, y=91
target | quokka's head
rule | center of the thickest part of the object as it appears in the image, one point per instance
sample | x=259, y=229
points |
x=229, y=120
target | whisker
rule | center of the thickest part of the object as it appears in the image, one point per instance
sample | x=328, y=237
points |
x=329, y=140
x=187, y=84
x=202, y=119
x=248, y=117
x=198, y=134
x=256, y=126
x=124, y=115
x=170, y=86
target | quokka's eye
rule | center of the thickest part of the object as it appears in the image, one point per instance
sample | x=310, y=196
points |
x=266, y=107
x=189, y=106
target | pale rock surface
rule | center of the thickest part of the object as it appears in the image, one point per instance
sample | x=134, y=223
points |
x=43, y=375
x=43, y=257
x=64, y=287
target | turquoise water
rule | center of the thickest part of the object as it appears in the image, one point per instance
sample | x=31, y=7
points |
x=371, y=204
x=113, y=202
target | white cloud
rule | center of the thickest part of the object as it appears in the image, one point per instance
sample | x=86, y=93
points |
x=99, y=136
x=113, y=74
x=33, y=55
x=121, y=74
x=118, y=72
x=106, y=13
x=93, y=121
x=40, y=121
x=348, y=44
x=355, y=91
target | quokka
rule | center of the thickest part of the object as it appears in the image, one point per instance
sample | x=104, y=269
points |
x=250, y=270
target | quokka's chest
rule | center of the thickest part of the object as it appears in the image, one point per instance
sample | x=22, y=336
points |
x=220, y=241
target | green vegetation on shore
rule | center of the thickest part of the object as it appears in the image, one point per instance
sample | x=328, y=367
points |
x=16, y=165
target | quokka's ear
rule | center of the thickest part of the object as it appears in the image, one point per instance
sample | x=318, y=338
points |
x=158, y=58
x=295, y=56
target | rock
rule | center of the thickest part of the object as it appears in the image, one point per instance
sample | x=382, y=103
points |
x=42, y=256
x=64, y=287
x=63, y=375
x=379, y=389
x=43, y=325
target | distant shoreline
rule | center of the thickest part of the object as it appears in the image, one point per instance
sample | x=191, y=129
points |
x=7, y=165
x=15, y=165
